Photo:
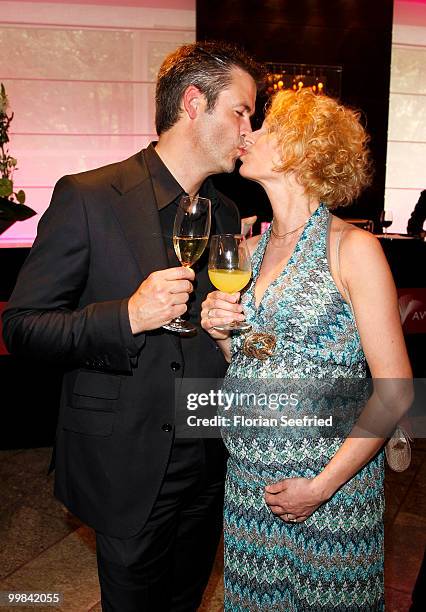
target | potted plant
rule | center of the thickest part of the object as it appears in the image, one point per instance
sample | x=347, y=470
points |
x=12, y=207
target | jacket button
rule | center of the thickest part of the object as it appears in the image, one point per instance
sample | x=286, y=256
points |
x=166, y=427
x=175, y=366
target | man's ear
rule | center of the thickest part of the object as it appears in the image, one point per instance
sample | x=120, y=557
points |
x=192, y=100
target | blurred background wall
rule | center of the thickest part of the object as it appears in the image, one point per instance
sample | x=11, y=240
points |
x=406, y=151
x=80, y=78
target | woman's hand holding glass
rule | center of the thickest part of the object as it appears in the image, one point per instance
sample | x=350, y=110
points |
x=229, y=271
x=220, y=309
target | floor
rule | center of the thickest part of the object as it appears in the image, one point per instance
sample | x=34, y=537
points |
x=44, y=548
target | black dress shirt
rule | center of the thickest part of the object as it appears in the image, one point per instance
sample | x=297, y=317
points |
x=167, y=194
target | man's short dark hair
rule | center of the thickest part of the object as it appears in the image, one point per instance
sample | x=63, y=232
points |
x=208, y=66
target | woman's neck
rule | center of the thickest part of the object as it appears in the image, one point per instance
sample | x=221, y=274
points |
x=291, y=206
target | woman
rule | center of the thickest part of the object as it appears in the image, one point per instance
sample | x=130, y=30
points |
x=304, y=518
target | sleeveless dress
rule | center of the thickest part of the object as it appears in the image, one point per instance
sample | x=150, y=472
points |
x=333, y=560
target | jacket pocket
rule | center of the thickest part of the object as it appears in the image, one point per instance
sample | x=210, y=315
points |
x=96, y=391
x=90, y=422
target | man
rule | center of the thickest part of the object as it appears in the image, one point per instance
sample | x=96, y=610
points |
x=101, y=280
x=418, y=217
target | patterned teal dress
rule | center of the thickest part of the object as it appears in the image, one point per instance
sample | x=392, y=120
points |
x=333, y=560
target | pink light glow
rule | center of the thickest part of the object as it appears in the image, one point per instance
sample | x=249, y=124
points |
x=81, y=96
x=406, y=12
x=188, y=5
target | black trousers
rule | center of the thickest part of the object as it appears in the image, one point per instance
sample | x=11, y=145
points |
x=166, y=566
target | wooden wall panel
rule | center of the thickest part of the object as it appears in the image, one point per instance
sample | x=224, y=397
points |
x=355, y=34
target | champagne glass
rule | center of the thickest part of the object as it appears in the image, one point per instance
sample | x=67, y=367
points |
x=386, y=219
x=190, y=236
x=230, y=269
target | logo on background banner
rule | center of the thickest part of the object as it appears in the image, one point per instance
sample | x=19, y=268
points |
x=412, y=309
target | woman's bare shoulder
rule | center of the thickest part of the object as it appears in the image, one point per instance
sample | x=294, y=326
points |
x=352, y=236
x=360, y=253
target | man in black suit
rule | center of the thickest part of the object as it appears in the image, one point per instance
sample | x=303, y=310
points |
x=100, y=281
x=418, y=217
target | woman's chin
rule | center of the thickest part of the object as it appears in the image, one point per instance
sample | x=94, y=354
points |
x=245, y=172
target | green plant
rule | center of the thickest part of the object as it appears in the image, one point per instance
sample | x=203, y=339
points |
x=7, y=162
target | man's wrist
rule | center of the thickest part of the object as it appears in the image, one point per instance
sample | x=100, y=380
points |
x=134, y=318
x=133, y=342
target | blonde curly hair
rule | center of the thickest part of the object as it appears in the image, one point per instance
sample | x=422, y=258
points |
x=323, y=143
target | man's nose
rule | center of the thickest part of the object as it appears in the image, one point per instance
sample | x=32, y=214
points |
x=245, y=126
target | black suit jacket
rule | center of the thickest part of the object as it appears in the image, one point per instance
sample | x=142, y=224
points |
x=98, y=240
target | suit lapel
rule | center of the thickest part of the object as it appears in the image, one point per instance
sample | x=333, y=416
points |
x=137, y=213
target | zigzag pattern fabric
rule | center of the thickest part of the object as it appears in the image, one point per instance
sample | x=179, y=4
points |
x=334, y=560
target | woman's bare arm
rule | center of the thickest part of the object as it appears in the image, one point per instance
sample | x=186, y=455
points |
x=368, y=279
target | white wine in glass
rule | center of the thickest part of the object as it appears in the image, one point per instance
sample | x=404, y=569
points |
x=191, y=232
x=230, y=269
x=189, y=248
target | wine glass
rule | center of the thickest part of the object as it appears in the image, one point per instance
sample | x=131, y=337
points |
x=190, y=236
x=230, y=269
x=386, y=219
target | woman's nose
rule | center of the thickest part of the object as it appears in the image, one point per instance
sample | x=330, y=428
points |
x=246, y=140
